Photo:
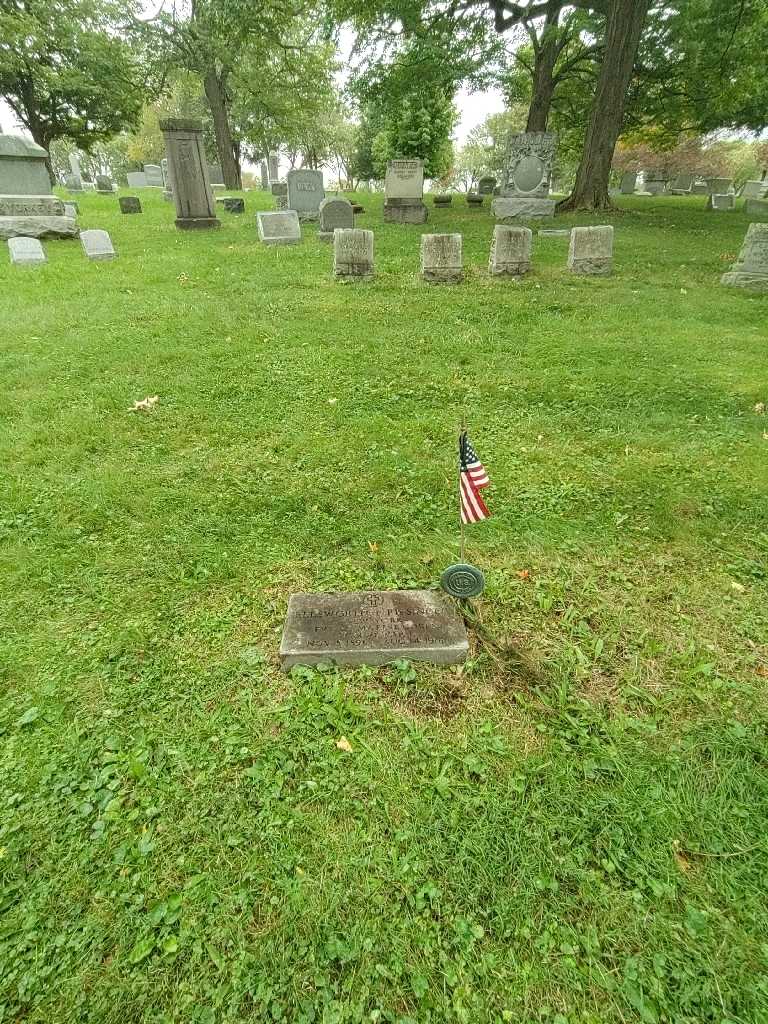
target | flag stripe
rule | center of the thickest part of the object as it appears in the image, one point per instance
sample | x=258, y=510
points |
x=472, y=477
x=473, y=508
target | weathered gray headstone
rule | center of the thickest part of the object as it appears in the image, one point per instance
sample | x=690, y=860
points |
x=335, y=212
x=264, y=172
x=486, y=185
x=443, y=200
x=441, y=259
x=233, y=204
x=188, y=169
x=682, y=185
x=352, y=253
x=215, y=174
x=38, y=227
x=104, y=183
x=97, y=245
x=510, y=251
x=527, y=177
x=305, y=192
x=474, y=200
x=129, y=204
x=754, y=189
x=404, y=193
x=628, y=183
x=720, y=186
x=76, y=177
x=165, y=172
x=756, y=207
x=136, y=179
x=154, y=175
x=700, y=188
x=725, y=202
x=22, y=167
x=751, y=268
x=591, y=250
x=278, y=227
x=373, y=628
x=273, y=160
x=26, y=252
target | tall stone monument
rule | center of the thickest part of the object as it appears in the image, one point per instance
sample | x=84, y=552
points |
x=273, y=162
x=404, y=192
x=264, y=172
x=527, y=177
x=751, y=268
x=27, y=205
x=188, y=168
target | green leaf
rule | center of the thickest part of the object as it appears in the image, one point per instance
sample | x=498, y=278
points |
x=29, y=716
x=142, y=949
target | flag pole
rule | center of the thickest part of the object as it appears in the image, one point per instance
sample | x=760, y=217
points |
x=462, y=428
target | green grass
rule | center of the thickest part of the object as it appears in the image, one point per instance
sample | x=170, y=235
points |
x=572, y=828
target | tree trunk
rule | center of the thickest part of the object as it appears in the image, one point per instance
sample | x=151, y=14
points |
x=622, y=38
x=217, y=100
x=545, y=56
x=41, y=139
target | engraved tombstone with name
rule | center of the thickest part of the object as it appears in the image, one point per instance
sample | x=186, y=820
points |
x=751, y=268
x=510, y=251
x=97, y=245
x=404, y=193
x=591, y=250
x=305, y=192
x=278, y=227
x=441, y=259
x=28, y=208
x=373, y=628
x=352, y=254
x=26, y=252
x=527, y=175
x=188, y=168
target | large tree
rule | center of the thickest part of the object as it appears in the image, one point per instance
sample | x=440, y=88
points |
x=68, y=71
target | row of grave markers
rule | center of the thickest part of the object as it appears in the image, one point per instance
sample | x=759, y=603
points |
x=97, y=245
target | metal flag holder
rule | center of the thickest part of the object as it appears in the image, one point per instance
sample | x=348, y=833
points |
x=462, y=580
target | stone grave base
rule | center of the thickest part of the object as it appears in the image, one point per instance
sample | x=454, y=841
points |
x=373, y=627
x=594, y=267
x=38, y=227
x=739, y=279
x=508, y=269
x=443, y=275
x=194, y=223
x=405, y=211
x=31, y=206
x=505, y=209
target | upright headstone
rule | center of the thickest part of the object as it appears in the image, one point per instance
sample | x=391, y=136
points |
x=305, y=192
x=215, y=174
x=279, y=190
x=655, y=181
x=167, y=180
x=751, y=268
x=27, y=252
x=273, y=161
x=27, y=205
x=591, y=250
x=441, y=259
x=527, y=177
x=486, y=185
x=136, y=179
x=404, y=192
x=700, y=188
x=75, y=182
x=129, y=204
x=725, y=202
x=373, y=628
x=104, y=183
x=278, y=227
x=335, y=212
x=628, y=183
x=754, y=189
x=264, y=172
x=352, y=254
x=682, y=185
x=232, y=204
x=445, y=199
x=192, y=192
x=720, y=186
x=510, y=251
x=97, y=245
x=154, y=175
x=71, y=209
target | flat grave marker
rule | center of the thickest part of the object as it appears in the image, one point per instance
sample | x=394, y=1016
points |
x=278, y=227
x=97, y=245
x=26, y=252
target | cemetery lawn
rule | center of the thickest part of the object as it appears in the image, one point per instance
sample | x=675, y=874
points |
x=571, y=829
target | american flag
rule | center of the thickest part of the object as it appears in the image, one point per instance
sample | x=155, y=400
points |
x=472, y=478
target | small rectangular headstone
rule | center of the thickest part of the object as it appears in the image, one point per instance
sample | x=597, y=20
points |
x=352, y=253
x=104, y=183
x=754, y=189
x=591, y=250
x=725, y=202
x=129, y=204
x=335, y=212
x=510, y=251
x=373, y=628
x=26, y=252
x=278, y=227
x=154, y=175
x=97, y=245
x=756, y=207
x=628, y=183
x=441, y=259
x=305, y=192
x=136, y=179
